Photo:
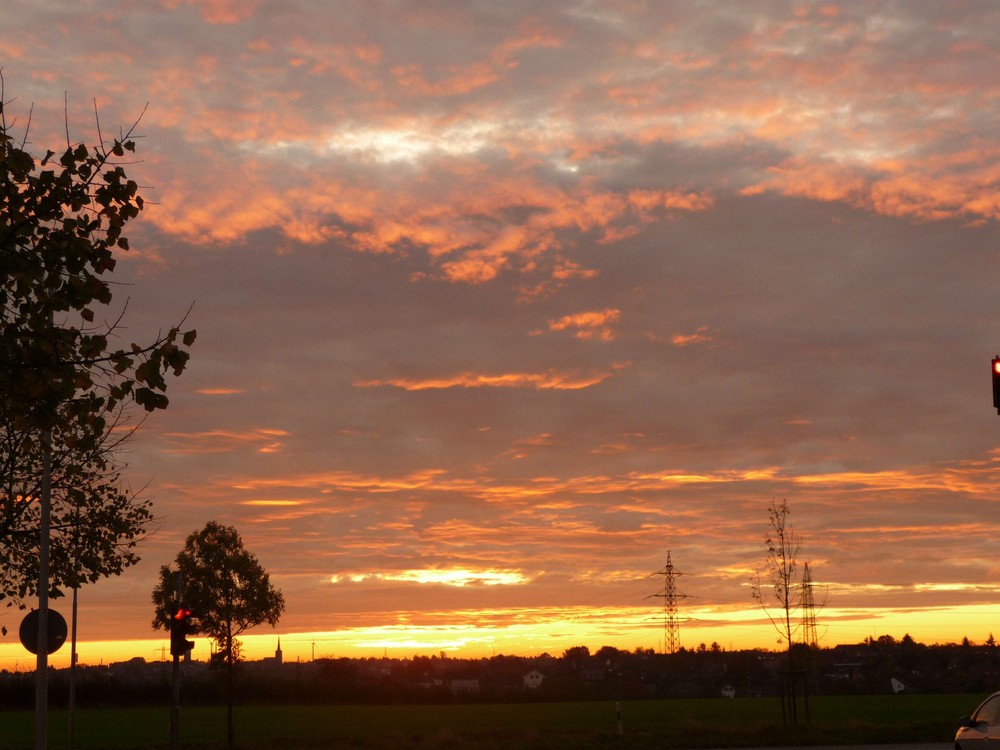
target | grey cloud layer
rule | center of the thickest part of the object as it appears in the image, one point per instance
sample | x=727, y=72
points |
x=527, y=285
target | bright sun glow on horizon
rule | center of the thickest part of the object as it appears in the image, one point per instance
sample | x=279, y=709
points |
x=626, y=629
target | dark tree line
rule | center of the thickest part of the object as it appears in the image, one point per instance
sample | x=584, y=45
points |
x=608, y=674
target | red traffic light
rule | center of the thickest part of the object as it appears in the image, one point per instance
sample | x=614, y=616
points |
x=182, y=613
x=996, y=383
x=180, y=629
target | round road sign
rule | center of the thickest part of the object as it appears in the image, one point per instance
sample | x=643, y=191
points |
x=56, y=631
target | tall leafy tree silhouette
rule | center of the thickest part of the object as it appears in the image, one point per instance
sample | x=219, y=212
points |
x=66, y=379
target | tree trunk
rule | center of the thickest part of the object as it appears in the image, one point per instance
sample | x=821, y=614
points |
x=230, y=684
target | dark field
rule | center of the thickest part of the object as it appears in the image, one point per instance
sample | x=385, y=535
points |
x=742, y=722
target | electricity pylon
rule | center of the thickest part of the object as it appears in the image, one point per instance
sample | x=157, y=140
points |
x=808, y=610
x=671, y=626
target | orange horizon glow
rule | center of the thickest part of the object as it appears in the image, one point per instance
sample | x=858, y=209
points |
x=626, y=629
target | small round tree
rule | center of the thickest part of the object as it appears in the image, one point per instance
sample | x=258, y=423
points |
x=227, y=591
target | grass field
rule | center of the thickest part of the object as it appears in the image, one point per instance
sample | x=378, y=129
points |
x=746, y=722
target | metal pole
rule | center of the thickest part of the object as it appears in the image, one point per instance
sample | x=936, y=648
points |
x=72, y=675
x=175, y=707
x=42, y=657
x=73, y=620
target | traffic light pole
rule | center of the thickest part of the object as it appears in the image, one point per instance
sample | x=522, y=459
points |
x=175, y=703
x=175, y=708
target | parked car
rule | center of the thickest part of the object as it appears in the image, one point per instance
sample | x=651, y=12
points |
x=981, y=730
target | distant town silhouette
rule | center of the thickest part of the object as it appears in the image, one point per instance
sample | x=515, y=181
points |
x=877, y=666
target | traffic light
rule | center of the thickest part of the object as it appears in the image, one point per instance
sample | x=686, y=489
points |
x=996, y=384
x=180, y=629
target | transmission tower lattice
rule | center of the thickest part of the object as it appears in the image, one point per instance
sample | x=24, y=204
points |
x=808, y=609
x=671, y=625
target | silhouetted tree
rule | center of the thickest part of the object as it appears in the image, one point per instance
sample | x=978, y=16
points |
x=575, y=653
x=228, y=592
x=63, y=385
x=782, y=546
x=785, y=584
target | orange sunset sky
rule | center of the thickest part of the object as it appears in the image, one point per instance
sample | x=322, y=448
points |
x=498, y=302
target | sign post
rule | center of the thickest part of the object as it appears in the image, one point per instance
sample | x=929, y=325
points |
x=42, y=623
